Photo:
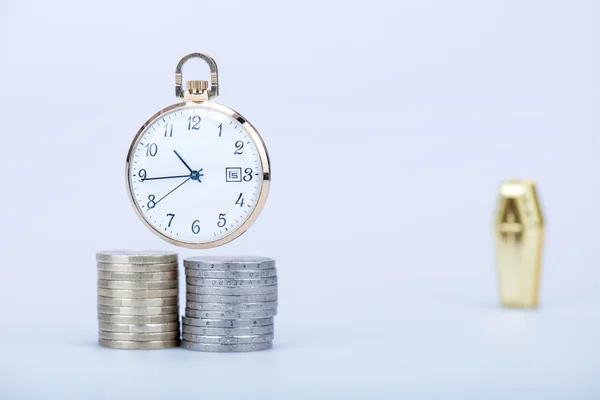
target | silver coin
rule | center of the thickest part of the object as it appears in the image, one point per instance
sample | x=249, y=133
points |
x=226, y=323
x=231, y=291
x=225, y=347
x=235, y=274
x=254, y=330
x=130, y=345
x=138, y=328
x=117, y=302
x=137, y=285
x=231, y=307
x=138, y=294
x=133, y=268
x=138, y=310
x=229, y=263
x=238, y=299
x=219, y=282
x=227, y=339
x=138, y=276
x=138, y=319
x=230, y=314
x=136, y=257
x=139, y=337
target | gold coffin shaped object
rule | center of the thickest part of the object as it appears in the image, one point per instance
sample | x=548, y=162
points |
x=519, y=232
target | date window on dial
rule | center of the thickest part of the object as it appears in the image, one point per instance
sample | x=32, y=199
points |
x=233, y=174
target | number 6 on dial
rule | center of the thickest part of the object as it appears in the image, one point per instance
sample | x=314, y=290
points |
x=198, y=173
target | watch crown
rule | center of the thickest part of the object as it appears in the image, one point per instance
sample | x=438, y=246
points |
x=197, y=87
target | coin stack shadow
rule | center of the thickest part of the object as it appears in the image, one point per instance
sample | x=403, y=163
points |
x=230, y=303
x=138, y=306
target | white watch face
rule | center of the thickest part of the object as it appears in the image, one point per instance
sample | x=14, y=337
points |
x=195, y=174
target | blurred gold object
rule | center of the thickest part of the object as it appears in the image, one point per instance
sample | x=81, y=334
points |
x=519, y=233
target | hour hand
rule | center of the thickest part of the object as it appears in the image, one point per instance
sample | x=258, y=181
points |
x=184, y=163
x=195, y=175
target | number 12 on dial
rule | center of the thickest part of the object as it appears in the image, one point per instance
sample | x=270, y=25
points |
x=198, y=173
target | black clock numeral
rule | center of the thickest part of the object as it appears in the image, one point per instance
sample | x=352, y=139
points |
x=142, y=175
x=239, y=145
x=196, y=227
x=169, y=130
x=220, y=129
x=171, y=220
x=248, y=175
x=240, y=200
x=194, y=123
x=222, y=221
x=151, y=203
x=151, y=149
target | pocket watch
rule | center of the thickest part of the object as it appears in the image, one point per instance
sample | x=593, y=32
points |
x=198, y=172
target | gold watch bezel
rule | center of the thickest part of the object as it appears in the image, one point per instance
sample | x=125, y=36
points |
x=264, y=160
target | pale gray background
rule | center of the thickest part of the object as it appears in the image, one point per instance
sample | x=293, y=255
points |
x=390, y=125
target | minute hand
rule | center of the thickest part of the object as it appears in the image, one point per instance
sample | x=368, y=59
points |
x=167, y=177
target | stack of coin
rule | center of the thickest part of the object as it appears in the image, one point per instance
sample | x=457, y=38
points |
x=138, y=305
x=230, y=303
